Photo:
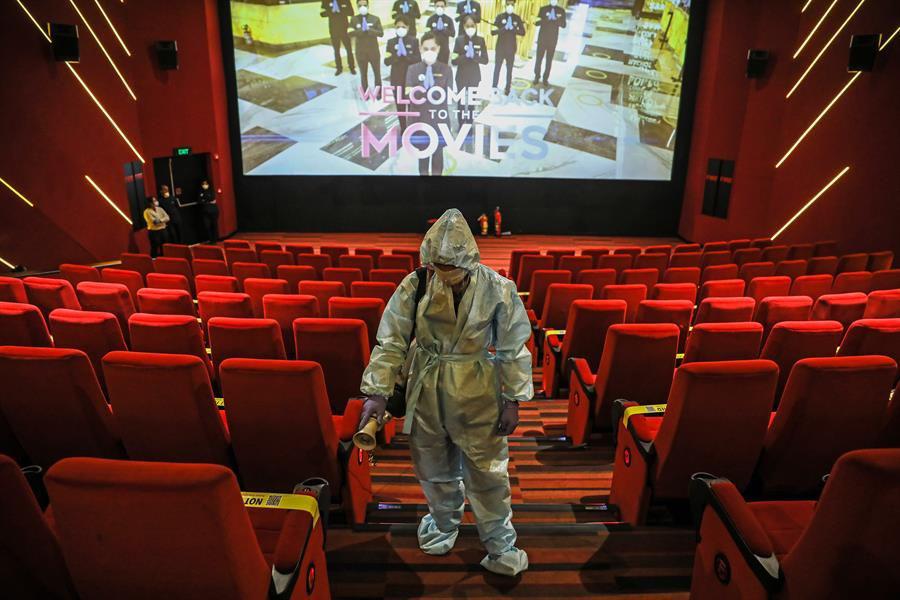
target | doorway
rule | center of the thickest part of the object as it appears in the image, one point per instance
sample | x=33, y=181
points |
x=183, y=175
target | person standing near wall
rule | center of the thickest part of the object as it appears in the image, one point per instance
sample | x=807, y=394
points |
x=207, y=200
x=172, y=206
x=156, y=218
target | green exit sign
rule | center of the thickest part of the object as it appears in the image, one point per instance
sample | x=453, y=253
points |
x=184, y=151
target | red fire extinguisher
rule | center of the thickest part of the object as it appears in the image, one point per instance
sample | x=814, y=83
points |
x=498, y=219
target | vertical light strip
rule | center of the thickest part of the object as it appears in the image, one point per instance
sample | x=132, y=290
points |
x=803, y=10
x=113, y=27
x=33, y=20
x=824, y=48
x=17, y=193
x=814, y=29
x=103, y=48
x=819, y=118
x=108, y=200
x=7, y=263
x=811, y=201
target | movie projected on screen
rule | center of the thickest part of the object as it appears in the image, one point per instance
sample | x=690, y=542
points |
x=531, y=88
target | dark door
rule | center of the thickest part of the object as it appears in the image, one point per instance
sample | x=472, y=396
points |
x=183, y=175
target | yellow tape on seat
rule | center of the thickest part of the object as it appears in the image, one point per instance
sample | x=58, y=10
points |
x=555, y=332
x=648, y=409
x=220, y=402
x=302, y=502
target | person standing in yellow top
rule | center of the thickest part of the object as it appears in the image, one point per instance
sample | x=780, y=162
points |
x=156, y=219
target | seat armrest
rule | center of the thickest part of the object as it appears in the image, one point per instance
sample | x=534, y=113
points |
x=583, y=375
x=349, y=421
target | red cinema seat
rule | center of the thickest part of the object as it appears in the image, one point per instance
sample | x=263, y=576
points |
x=886, y=280
x=725, y=310
x=392, y=276
x=775, y=254
x=53, y=404
x=631, y=251
x=284, y=308
x=410, y=252
x=207, y=252
x=558, y=302
x=832, y=548
x=168, y=281
x=334, y=252
x=23, y=325
x=373, y=289
x=203, y=266
x=872, y=336
x=619, y=262
x=761, y=243
x=585, y=335
x=646, y=277
x=141, y=263
x=242, y=271
x=685, y=260
x=801, y=251
x=182, y=251
x=791, y=341
x=244, y=338
x=844, y=308
x=367, y=310
x=791, y=268
x=130, y=279
x=709, y=342
x=811, y=285
x=715, y=258
x=236, y=244
x=682, y=275
x=714, y=422
x=597, y=279
x=722, y=288
x=719, y=272
x=825, y=248
x=169, y=334
x=49, y=294
x=12, y=290
x=215, y=283
x=822, y=265
x=165, y=409
x=282, y=431
x=172, y=266
x=165, y=302
x=298, y=249
x=738, y=244
x=631, y=294
x=294, y=274
x=515, y=260
x=75, y=274
x=107, y=297
x=541, y=280
x=763, y=287
x=636, y=365
x=880, y=261
x=374, y=253
x=852, y=262
x=852, y=281
x=594, y=253
x=659, y=249
x=883, y=304
x=275, y=258
x=746, y=255
x=652, y=261
x=94, y=333
x=674, y=291
x=715, y=246
x=750, y=271
x=529, y=264
x=576, y=264
x=403, y=262
x=258, y=288
x=193, y=532
x=265, y=245
x=775, y=309
x=363, y=263
x=344, y=275
x=677, y=312
x=341, y=346
x=830, y=406
x=558, y=253
x=686, y=248
x=243, y=255
x=31, y=562
x=323, y=291
x=319, y=262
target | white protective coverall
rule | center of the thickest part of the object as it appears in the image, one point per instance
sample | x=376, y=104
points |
x=463, y=367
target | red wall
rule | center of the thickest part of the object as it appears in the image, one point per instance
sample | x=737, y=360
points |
x=54, y=134
x=751, y=122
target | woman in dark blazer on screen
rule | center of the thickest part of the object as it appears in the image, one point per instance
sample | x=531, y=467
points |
x=469, y=53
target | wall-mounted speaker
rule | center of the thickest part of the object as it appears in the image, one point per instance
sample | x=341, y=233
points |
x=756, y=63
x=863, y=50
x=64, y=40
x=167, y=54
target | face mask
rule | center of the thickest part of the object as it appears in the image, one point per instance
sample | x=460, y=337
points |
x=470, y=31
x=155, y=204
x=401, y=32
x=429, y=56
x=451, y=277
x=363, y=10
x=439, y=10
x=509, y=9
x=205, y=187
x=165, y=194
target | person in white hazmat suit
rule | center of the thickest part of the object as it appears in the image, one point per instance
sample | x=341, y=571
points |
x=468, y=371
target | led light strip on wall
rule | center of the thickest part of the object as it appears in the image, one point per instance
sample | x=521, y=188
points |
x=113, y=27
x=17, y=193
x=108, y=200
x=803, y=10
x=7, y=263
x=103, y=48
x=33, y=20
x=811, y=201
x=814, y=29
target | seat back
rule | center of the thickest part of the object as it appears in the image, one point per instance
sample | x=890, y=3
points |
x=743, y=256
x=186, y=522
x=586, y=328
x=681, y=248
x=392, y=276
x=761, y=243
x=775, y=254
x=872, y=336
x=801, y=251
x=659, y=249
x=267, y=245
x=168, y=281
x=822, y=265
x=182, y=251
x=372, y=252
x=791, y=268
x=364, y=263
x=173, y=266
x=164, y=408
x=713, y=258
x=280, y=423
x=725, y=310
x=830, y=406
x=738, y=244
x=674, y=291
x=540, y=282
x=880, y=261
x=598, y=279
x=558, y=253
x=142, y=263
x=852, y=281
x=791, y=341
x=782, y=308
x=763, y=287
x=334, y=252
x=677, y=312
x=812, y=286
x=107, y=297
x=710, y=342
x=527, y=266
x=244, y=338
x=685, y=260
x=168, y=334
x=284, y=308
x=23, y=325
x=367, y=310
x=275, y=258
x=345, y=275
x=883, y=304
x=258, y=288
x=722, y=288
x=207, y=252
x=165, y=302
x=298, y=249
x=373, y=289
x=715, y=422
x=294, y=274
x=631, y=294
x=682, y=275
x=319, y=262
x=130, y=279
x=886, y=280
x=645, y=277
x=825, y=248
x=718, y=272
x=403, y=262
x=215, y=283
x=12, y=290
x=49, y=294
x=631, y=251
x=236, y=255
x=245, y=270
x=715, y=246
x=341, y=347
x=594, y=253
x=94, y=333
x=576, y=264
x=852, y=262
x=237, y=244
x=323, y=291
x=652, y=260
x=224, y=304
x=54, y=406
x=204, y=266
x=750, y=271
x=619, y=262
x=560, y=297
x=845, y=308
x=75, y=274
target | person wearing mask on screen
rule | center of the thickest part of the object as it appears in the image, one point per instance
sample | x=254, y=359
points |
x=408, y=10
x=470, y=52
x=402, y=51
x=468, y=8
x=428, y=74
x=442, y=26
x=338, y=12
x=172, y=206
x=367, y=29
x=551, y=19
x=469, y=370
x=507, y=27
x=207, y=200
x=156, y=219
